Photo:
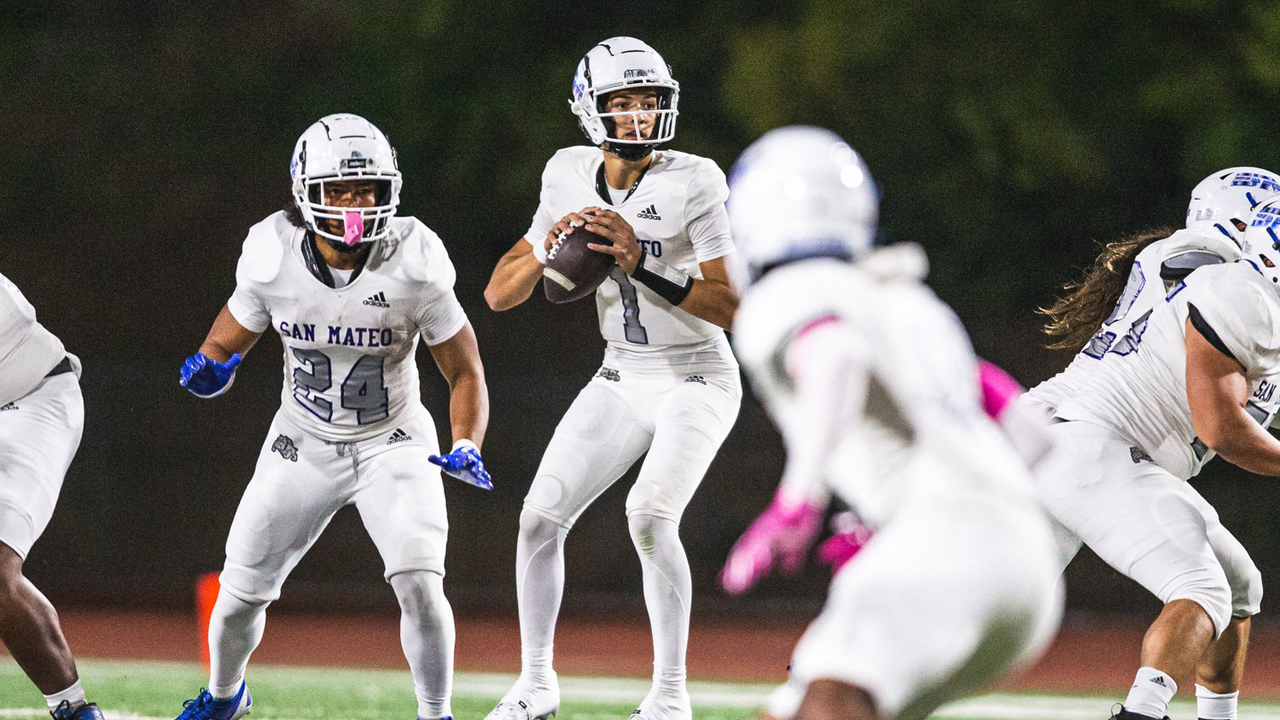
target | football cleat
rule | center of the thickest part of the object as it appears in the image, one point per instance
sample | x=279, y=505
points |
x=205, y=707
x=518, y=710
x=64, y=711
x=1123, y=714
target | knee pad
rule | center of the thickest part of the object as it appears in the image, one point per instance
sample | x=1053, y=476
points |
x=648, y=531
x=418, y=591
x=1246, y=595
x=249, y=585
x=536, y=526
x=1208, y=588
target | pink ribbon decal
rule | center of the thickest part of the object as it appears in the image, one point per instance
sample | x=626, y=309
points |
x=355, y=227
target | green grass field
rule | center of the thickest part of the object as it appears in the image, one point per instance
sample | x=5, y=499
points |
x=146, y=691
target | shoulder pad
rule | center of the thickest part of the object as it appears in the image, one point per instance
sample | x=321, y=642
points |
x=263, y=250
x=424, y=257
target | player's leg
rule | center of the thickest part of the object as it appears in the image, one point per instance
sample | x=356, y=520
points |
x=599, y=437
x=1147, y=525
x=39, y=435
x=834, y=700
x=942, y=601
x=297, y=486
x=1221, y=668
x=401, y=502
x=691, y=420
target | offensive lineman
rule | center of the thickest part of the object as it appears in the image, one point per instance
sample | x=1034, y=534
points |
x=1130, y=280
x=41, y=420
x=875, y=388
x=350, y=288
x=669, y=384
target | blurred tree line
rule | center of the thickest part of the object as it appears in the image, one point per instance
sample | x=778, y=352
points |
x=142, y=138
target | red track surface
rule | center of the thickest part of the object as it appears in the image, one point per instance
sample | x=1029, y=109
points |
x=1084, y=658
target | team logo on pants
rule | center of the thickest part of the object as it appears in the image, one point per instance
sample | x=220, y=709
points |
x=284, y=445
x=1138, y=455
x=10, y=406
x=609, y=374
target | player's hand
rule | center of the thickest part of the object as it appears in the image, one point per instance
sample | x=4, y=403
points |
x=206, y=377
x=566, y=225
x=464, y=463
x=609, y=224
x=780, y=538
x=850, y=537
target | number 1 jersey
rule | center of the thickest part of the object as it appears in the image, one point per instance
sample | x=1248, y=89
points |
x=677, y=211
x=349, y=369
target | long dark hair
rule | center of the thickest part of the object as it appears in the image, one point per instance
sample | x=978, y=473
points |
x=1075, y=316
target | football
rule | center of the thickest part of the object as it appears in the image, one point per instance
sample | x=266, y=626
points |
x=573, y=270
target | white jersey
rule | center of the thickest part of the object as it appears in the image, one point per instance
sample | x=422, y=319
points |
x=349, y=370
x=27, y=350
x=1139, y=388
x=1156, y=269
x=677, y=211
x=923, y=404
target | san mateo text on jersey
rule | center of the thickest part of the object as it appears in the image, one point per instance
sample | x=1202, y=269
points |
x=338, y=335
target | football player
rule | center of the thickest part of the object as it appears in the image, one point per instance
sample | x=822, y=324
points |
x=350, y=288
x=41, y=419
x=1130, y=280
x=669, y=383
x=877, y=393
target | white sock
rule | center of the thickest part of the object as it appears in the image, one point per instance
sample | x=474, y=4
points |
x=427, y=635
x=73, y=695
x=1151, y=692
x=1212, y=706
x=668, y=590
x=235, y=629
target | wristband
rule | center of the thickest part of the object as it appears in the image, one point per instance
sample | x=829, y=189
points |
x=464, y=443
x=671, y=283
x=539, y=250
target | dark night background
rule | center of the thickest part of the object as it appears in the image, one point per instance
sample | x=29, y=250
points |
x=142, y=139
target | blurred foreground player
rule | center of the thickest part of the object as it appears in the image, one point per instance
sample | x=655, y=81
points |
x=876, y=390
x=1195, y=378
x=1108, y=309
x=41, y=419
x=669, y=384
x=350, y=288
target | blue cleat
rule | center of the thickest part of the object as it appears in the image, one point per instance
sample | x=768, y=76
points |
x=64, y=711
x=205, y=707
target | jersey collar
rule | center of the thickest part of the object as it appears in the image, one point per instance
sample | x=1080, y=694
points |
x=319, y=268
x=602, y=187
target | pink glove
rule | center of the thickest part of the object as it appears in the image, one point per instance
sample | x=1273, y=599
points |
x=841, y=547
x=782, y=533
x=998, y=388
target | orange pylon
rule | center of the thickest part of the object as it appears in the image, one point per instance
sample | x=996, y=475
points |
x=206, y=595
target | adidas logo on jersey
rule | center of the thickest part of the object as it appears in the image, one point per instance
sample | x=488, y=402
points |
x=399, y=436
x=696, y=378
x=378, y=300
x=649, y=213
x=10, y=406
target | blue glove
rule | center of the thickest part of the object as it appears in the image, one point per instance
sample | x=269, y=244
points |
x=206, y=377
x=465, y=464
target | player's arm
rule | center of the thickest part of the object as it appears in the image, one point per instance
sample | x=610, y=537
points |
x=1218, y=394
x=212, y=369
x=459, y=361
x=712, y=298
x=520, y=269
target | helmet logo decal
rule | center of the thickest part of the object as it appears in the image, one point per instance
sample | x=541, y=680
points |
x=1258, y=180
x=639, y=72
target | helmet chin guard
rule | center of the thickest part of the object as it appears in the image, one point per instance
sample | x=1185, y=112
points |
x=340, y=148
x=624, y=63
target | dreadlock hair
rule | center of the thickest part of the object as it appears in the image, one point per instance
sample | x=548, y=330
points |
x=1089, y=300
x=293, y=214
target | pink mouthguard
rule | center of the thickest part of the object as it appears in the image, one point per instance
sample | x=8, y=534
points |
x=355, y=227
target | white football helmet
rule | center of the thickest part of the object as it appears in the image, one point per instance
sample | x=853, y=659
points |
x=345, y=147
x=1224, y=200
x=800, y=192
x=616, y=64
x=1261, y=245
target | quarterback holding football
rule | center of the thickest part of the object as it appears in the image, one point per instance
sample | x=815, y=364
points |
x=669, y=384
x=350, y=288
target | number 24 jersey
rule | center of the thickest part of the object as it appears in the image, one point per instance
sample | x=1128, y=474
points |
x=349, y=369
